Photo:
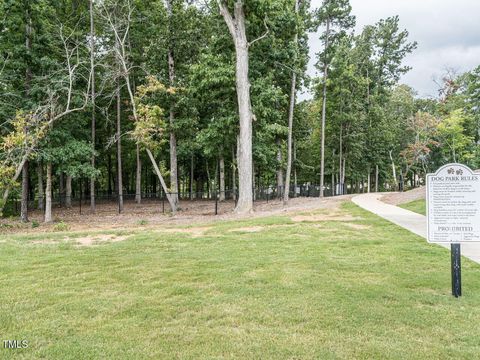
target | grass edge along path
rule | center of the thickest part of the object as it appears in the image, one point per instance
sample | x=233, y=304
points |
x=354, y=287
x=418, y=206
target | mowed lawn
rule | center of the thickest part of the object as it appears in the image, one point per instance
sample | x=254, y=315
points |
x=418, y=206
x=272, y=288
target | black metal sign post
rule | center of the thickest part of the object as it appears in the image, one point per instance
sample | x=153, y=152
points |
x=456, y=270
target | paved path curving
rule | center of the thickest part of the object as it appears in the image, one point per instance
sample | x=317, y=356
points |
x=409, y=220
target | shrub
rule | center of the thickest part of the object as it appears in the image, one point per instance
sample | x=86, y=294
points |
x=61, y=226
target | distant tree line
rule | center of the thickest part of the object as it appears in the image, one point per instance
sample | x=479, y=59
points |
x=135, y=97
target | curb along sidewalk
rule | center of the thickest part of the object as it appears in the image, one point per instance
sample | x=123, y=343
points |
x=409, y=220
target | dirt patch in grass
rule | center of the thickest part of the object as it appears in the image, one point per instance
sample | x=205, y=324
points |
x=194, y=231
x=324, y=217
x=44, y=242
x=357, y=226
x=252, y=229
x=83, y=241
x=96, y=239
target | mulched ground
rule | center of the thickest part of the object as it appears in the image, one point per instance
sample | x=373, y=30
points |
x=405, y=197
x=151, y=213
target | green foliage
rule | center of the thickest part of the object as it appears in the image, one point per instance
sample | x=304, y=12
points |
x=150, y=122
x=456, y=145
x=61, y=226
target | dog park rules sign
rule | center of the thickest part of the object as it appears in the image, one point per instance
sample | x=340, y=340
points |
x=453, y=205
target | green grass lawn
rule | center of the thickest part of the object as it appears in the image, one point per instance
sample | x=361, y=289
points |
x=313, y=290
x=418, y=206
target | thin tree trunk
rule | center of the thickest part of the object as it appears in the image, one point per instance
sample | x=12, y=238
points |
x=368, y=181
x=92, y=70
x=119, y=152
x=138, y=178
x=28, y=79
x=110, y=177
x=340, y=167
x=41, y=194
x=173, y=205
x=68, y=192
x=333, y=183
x=209, y=180
x=237, y=28
x=234, y=174
x=394, y=170
x=293, y=88
x=61, y=188
x=48, y=195
x=191, y=176
x=324, y=111
x=295, y=182
x=280, y=185
x=24, y=201
x=376, y=178
x=222, y=178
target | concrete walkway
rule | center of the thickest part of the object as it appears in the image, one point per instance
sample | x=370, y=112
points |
x=409, y=220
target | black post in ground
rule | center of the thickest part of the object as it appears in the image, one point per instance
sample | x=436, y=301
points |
x=456, y=270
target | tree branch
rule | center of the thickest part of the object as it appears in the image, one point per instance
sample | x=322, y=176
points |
x=263, y=36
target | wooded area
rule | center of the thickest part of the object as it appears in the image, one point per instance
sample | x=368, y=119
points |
x=122, y=100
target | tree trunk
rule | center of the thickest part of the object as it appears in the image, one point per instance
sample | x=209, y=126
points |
x=28, y=79
x=280, y=185
x=324, y=111
x=295, y=182
x=173, y=139
x=394, y=170
x=222, y=178
x=368, y=181
x=253, y=185
x=68, y=192
x=92, y=70
x=376, y=178
x=24, y=201
x=138, y=178
x=334, y=185
x=191, y=176
x=119, y=152
x=340, y=167
x=293, y=88
x=61, y=188
x=234, y=174
x=48, y=195
x=173, y=205
x=209, y=180
x=236, y=26
x=41, y=196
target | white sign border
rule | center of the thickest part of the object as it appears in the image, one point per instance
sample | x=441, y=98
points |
x=428, y=203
